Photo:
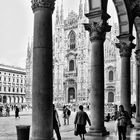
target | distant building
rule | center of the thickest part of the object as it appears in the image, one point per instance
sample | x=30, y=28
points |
x=12, y=85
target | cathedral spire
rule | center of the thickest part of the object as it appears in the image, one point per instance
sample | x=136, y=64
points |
x=62, y=13
x=80, y=9
x=28, y=51
x=57, y=16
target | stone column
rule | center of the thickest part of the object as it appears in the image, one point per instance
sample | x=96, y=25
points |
x=42, y=90
x=138, y=85
x=125, y=53
x=97, y=37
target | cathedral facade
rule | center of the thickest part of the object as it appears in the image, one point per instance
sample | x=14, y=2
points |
x=72, y=57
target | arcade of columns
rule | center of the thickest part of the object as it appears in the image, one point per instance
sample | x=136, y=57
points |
x=42, y=97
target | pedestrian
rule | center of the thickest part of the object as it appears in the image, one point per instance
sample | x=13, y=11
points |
x=123, y=119
x=133, y=110
x=64, y=114
x=67, y=116
x=107, y=118
x=56, y=123
x=17, y=112
x=80, y=121
x=7, y=111
x=1, y=111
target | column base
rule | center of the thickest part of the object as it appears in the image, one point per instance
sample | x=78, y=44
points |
x=95, y=132
x=38, y=138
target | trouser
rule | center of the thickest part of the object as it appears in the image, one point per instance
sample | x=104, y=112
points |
x=122, y=132
x=56, y=128
x=66, y=119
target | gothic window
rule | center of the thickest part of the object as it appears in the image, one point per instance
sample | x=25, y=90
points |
x=72, y=40
x=71, y=65
x=111, y=75
x=110, y=97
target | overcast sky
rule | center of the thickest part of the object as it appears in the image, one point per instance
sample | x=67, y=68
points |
x=16, y=28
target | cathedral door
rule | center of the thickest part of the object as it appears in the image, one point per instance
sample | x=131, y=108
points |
x=71, y=95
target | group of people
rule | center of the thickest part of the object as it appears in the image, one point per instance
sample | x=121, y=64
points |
x=5, y=111
x=80, y=121
x=122, y=118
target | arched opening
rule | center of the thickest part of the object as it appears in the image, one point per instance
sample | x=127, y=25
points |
x=18, y=99
x=71, y=95
x=22, y=99
x=110, y=97
x=4, y=99
x=14, y=99
x=71, y=65
x=9, y=99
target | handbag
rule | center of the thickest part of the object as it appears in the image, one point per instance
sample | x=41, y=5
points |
x=75, y=132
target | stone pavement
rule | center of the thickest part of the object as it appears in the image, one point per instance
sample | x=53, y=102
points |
x=8, y=128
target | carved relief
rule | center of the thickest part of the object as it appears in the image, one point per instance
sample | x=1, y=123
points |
x=97, y=30
x=125, y=49
x=42, y=4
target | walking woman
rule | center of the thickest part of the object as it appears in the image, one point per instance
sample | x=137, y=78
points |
x=80, y=122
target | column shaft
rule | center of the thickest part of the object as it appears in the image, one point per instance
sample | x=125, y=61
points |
x=97, y=87
x=97, y=37
x=42, y=97
x=125, y=84
x=125, y=47
x=138, y=86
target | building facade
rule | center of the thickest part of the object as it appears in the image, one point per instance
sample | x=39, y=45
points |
x=12, y=85
x=72, y=61
x=72, y=66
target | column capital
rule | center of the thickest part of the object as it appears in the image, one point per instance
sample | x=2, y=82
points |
x=97, y=30
x=40, y=4
x=137, y=52
x=125, y=48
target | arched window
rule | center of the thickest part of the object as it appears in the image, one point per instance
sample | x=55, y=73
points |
x=71, y=65
x=14, y=99
x=111, y=75
x=110, y=97
x=9, y=99
x=72, y=40
x=22, y=99
x=4, y=99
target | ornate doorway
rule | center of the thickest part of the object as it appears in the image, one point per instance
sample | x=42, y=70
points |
x=71, y=95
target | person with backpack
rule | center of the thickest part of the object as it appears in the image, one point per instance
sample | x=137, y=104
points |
x=66, y=115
